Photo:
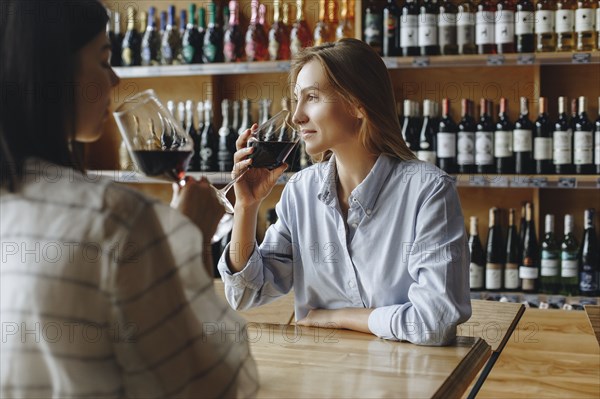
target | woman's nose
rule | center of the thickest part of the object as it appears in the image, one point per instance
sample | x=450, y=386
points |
x=298, y=118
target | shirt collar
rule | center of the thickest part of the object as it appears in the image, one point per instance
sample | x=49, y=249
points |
x=366, y=193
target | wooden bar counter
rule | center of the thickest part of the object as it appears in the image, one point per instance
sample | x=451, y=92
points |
x=302, y=362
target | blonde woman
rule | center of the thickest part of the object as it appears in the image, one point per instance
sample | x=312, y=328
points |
x=369, y=238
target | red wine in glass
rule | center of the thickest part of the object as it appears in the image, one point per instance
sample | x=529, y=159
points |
x=166, y=164
x=270, y=154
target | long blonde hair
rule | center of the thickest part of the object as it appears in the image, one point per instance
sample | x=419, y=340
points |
x=359, y=76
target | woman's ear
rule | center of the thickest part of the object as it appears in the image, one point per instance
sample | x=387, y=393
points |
x=359, y=112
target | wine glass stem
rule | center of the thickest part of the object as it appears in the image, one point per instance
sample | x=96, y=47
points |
x=228, y=186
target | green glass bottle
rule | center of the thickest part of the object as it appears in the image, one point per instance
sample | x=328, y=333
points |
x=550, y=259
x=569, y=247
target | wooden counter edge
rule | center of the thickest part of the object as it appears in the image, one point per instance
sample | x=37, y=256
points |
x=462, y=377
x=593, y=316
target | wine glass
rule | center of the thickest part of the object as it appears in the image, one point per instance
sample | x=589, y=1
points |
x=273, y=141
x=158, y=144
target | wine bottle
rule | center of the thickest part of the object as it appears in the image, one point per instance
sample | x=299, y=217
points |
x=235, y=116
x=494, y=266
x=550, y=259
x=542, y=141
x=529, y=269
x=573, y=120
x=484, y=139
x=322, y=32
x=212, y=50
x=257, y=42
x=584, y=25
x=484, y=27
x=132, y=42
x=522, y=227
x=233, y=41
x=589, y=258
x=503, y=141
x=465, y=28
x=524, y=27
x=504, y=34
x=391, y=30
x=226, y=140
x=465, y=146
x=246, y=116
x=522, y=140
x=447, y=36
x=545, y=38
x=346, y=25
x=565, y=25
x=409, y=28
x=373, y=26
x=446, y=140
x=182, y=22
x=202, y=28
x=170, y=50
x=332, y=13
x=411, y=127
x=597, y=139
x=300, y=35
x=181, y=115
x=569, y=248
x=163, y=23
x=427, y=31
x=209, y=142
x=150, y=47
x=427, y=149
x=200, y=117
x=191, y=41
x=194, y=164
x=511, y=270
x=116, y=39
x=562, y=139
x=279, y=36
x=477, y=264
x=583, y=141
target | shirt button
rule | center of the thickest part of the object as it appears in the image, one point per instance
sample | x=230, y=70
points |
x=368, y=211
x=351, y=284
x=354, y=225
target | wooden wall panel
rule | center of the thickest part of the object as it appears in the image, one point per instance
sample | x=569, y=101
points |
x=559, y=202
x=571, y=81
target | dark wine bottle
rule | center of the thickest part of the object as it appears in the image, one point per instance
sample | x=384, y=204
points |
x=522, y=140
x=562, y=141
x=116, y=39
x=410, y=126
x=503, y=141
x=170, y=50
x=191, y=41
x=227, y=139
x=428, y=34
x=511, y=269
x=163, y=23
x=522, y=228
x=257, y=42
x=550, y=259
x=212, y=50
x=569, y=248
x=465, y=146
x=465, y=28
x=477, y=264
x=209, y=142
x=573, y=113
x=583, y=141
x=391, y=30
x=202, y=29
x=279, y=35
x=447, y=38
x=504, y=35
x=246, y=116
x=529, y=271
x=446, y=140
x=182, y=22
x=427, y=145
x=524, y=27
x=235, y=116
x=194, y=164
x=484, y=27
x=597, y=135
x=151, y=41
x=542, y=141
x=233, y=39
x=200, y=116
x=484, y=139
x=373, y=26
x=300, y=35
x=132, y=42
x=494, y=265
x=409, y=29
x=589, y=258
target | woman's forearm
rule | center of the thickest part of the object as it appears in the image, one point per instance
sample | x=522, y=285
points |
x=243, y=237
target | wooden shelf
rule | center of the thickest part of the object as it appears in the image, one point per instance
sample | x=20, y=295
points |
x=543, y=301
x=133, y=177
x=449, y=61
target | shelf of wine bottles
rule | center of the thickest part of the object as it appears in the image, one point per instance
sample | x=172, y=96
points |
x=540, y=301
x=204, y=69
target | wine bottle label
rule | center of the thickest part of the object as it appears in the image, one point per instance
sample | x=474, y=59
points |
x=524, y=22
x=295, y=45
x=465, y=35
x=273, y=49
x=228, y=51
x=210, y=52
x=598, y=20
x=544, y=21
x=588, y=279
x=465, y=19
x=597, y=146
x=565, y=21
x=522, y=140
x=127, y=56
x=493, y=276
x=511, y=276
x=447, y=19
x=582, y=154
x=503, y=141
x=568, y=267
x=447, y=36
x=476, y=276
x=466, y=147
x=584, y=20
x=373, y=27
x=146, y=56
x=484, y=27
x=505, y=27
x=188, y=53
x=528, y=272
x=428, y=30
x=408, y=31
x=563, y=152
x=550, y=267
x=427, y=156
x=542, y=148
x=484, y=148
x=446, y=145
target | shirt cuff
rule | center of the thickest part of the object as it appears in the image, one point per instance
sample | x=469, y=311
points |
x=250, y=276
x=380, y=322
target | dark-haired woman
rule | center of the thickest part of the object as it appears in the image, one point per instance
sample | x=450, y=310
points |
x=103, y=291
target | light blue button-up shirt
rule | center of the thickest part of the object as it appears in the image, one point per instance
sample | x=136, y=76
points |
x=402, y=251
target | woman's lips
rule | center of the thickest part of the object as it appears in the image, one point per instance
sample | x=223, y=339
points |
x=307, y=133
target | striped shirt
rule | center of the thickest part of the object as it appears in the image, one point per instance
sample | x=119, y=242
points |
x=103, y=294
